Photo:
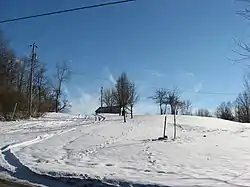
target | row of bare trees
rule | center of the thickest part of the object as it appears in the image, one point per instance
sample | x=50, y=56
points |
x=124, y=95
x=238, y=110
x=47, y=94
x=165, y=97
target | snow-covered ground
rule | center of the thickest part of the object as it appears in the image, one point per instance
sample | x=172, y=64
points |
x=64, y=150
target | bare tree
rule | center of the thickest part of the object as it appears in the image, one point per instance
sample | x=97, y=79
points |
x=9, y=95
x=160, y=98
x=40, y=86
x=186, y=107
x=246, y=12
x=65, y=106
x=242, y=102
x=203, y=112
x=133, y=97
x=7, y=65
x=122, y=93
x=243, y=107
x=168, y=97
x=22, y=76
x=109, y=97
x=62, y=75
x=225, y=111
x=244, y=48
x=173, y=99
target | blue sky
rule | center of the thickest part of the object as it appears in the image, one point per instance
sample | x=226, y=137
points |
x=158, y=43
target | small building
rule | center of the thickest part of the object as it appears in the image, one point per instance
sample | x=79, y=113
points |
x=109, y=110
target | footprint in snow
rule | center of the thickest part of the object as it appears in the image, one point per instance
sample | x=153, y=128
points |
x=108, y=164
x=163, y=172
x=92, y=164
x=168, y=173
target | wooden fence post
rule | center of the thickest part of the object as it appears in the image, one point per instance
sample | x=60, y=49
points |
x=164, y=128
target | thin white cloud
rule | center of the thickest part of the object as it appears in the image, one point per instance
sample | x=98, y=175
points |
x=199, y=86
x=111, y=79
x=189, y=74
x=110, y=76
x=154, y=73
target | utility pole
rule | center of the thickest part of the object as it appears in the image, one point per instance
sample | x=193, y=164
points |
x=101, y=99
x=33, y=60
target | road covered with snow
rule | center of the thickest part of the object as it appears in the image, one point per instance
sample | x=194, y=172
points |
x=63, y=150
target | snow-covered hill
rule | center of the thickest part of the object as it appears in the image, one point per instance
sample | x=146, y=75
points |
x=76, y=150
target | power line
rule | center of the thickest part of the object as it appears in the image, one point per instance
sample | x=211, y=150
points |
x=212, y=93
x=84, y=74
x=182, y=91
x=209, y=92
x=66, y=10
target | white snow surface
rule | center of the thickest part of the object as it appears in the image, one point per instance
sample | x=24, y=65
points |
x=64, y=150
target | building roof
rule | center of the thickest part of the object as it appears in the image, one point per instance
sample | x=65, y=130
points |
x=112, y=110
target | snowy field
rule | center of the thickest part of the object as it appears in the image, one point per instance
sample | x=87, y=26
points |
x=63, y=150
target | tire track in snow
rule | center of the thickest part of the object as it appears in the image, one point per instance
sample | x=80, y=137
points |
x=23, y=172
x=35, y=140
x=20, y=127
x=64, y=129
x=38, y=126
x=26, y=143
